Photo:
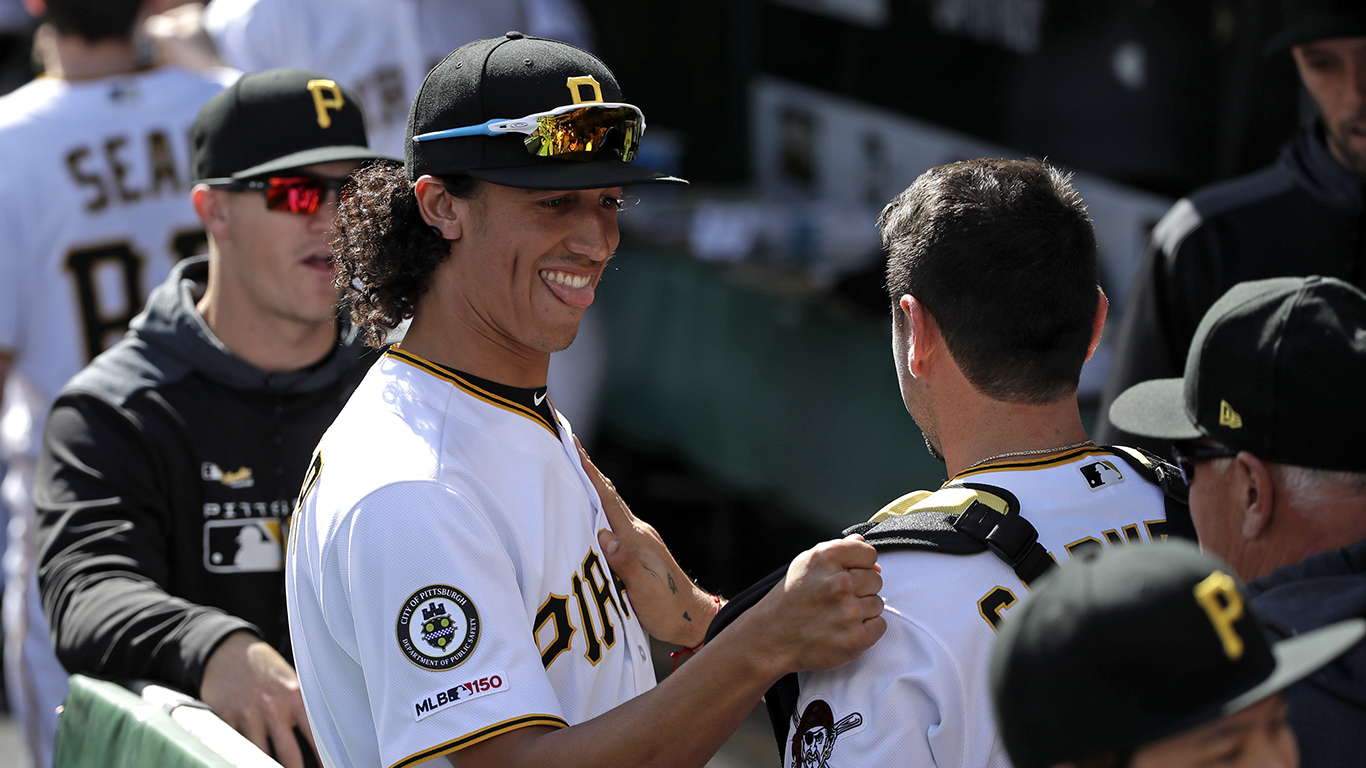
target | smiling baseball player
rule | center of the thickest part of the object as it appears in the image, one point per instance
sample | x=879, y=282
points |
x=463, y=591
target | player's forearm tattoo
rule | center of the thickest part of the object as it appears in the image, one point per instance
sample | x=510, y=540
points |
x=672, y=587
x=686, y=616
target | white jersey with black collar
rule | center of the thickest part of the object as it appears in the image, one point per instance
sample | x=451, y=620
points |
x=920, y=695
x=443, y=575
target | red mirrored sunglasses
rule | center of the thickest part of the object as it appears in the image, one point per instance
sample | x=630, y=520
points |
x=302, y=195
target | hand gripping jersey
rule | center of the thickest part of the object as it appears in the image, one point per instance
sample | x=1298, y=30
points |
x=954, y=562
x=443, y=574
x=94, y=210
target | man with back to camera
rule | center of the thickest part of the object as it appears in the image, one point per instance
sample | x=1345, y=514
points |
x=1150, y=656
x=94, y=212
x=452, y=580
x=1267, y=424
x=1304, y=215
x=169, y=463
x=993, y=276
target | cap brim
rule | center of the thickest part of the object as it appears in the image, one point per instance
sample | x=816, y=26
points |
x=572, y=175
x=1300, y=656
x=312, y=157
x=1155, y=409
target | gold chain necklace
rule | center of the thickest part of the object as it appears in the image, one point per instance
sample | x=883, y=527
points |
x=1034, y=452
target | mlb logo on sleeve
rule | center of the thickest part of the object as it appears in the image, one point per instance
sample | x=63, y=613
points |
x=446, y=698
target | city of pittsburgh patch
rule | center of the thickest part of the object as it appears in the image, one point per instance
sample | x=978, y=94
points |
x=438, y=627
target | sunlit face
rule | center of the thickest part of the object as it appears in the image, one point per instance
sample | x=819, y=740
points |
x=1256, y=737
x=529, y=262
x=279, y=263
x=1216, y=510
x=1334, y=73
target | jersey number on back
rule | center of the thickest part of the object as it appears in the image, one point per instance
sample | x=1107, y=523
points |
x=109, y=286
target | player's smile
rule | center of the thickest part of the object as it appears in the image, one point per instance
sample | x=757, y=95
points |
x=571, y=286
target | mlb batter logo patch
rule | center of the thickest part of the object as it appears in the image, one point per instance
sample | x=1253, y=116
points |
x=438, y=627
x=1101, y=474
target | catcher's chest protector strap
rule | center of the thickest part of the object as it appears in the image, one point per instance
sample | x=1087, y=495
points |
x=960, y=519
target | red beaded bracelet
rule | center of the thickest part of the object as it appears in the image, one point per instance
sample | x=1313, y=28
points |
x=676, y=655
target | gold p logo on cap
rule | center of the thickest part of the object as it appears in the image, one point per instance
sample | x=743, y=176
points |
x=326, y=95
x=1218, y=595
x=575, y=83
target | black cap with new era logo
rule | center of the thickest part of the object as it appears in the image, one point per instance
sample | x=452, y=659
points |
x=505, y=78
x=276, y=120
x=1275, y=368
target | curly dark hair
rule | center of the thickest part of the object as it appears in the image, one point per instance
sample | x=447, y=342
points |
x=383, y=249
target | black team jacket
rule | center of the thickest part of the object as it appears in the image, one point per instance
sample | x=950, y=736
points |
x=167, y=468
x=1303, y=215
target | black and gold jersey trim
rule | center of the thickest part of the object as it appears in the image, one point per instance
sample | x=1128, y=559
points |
x=541, y=412
x=1040, y=463
x=497, y=729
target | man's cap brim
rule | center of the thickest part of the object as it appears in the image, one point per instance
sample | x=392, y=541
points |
x=572, y=175
x=313, y=156
x=1155, y=409
x=1300, y=656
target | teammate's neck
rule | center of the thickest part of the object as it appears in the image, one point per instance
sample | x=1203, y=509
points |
x=271, y=343
x=71, y=57
x=985, y=428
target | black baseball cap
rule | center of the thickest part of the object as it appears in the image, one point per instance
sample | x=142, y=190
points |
x=1275, y=368
x=505, y=78
x=1121, y=648
x=275, y=120
x=1305, y=21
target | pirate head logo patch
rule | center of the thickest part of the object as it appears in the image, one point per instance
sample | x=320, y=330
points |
x=814, y=739
x=438, y=627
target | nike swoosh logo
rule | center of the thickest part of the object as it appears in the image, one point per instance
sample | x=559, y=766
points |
x=541, y=397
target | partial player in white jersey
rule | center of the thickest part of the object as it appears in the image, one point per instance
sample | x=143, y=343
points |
x=94, y=207
x=993, y=277
x=921, y=695
x=461, y=581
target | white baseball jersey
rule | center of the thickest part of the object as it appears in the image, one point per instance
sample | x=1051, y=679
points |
x=94, y=210
x=380, y=48
x=443, y=574
x=920, y=695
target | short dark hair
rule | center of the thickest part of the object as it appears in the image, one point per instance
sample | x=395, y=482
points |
x=94, y=20
x=384, y=250
x=1003, y=254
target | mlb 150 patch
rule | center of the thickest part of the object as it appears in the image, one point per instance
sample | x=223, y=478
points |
x=438, y=627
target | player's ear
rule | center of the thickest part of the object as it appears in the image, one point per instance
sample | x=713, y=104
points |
x=1098, y=324
x=211, y=207
x=1257, y=496
x=921, y=333
x=439, y=208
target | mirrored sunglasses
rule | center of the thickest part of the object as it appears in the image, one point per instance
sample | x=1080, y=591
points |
x=301, y=195
x=573, y=132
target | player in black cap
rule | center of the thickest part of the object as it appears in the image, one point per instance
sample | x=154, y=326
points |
x=461, y=581
x=171, y=461
x=1148, y=656
x=1267, y=425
